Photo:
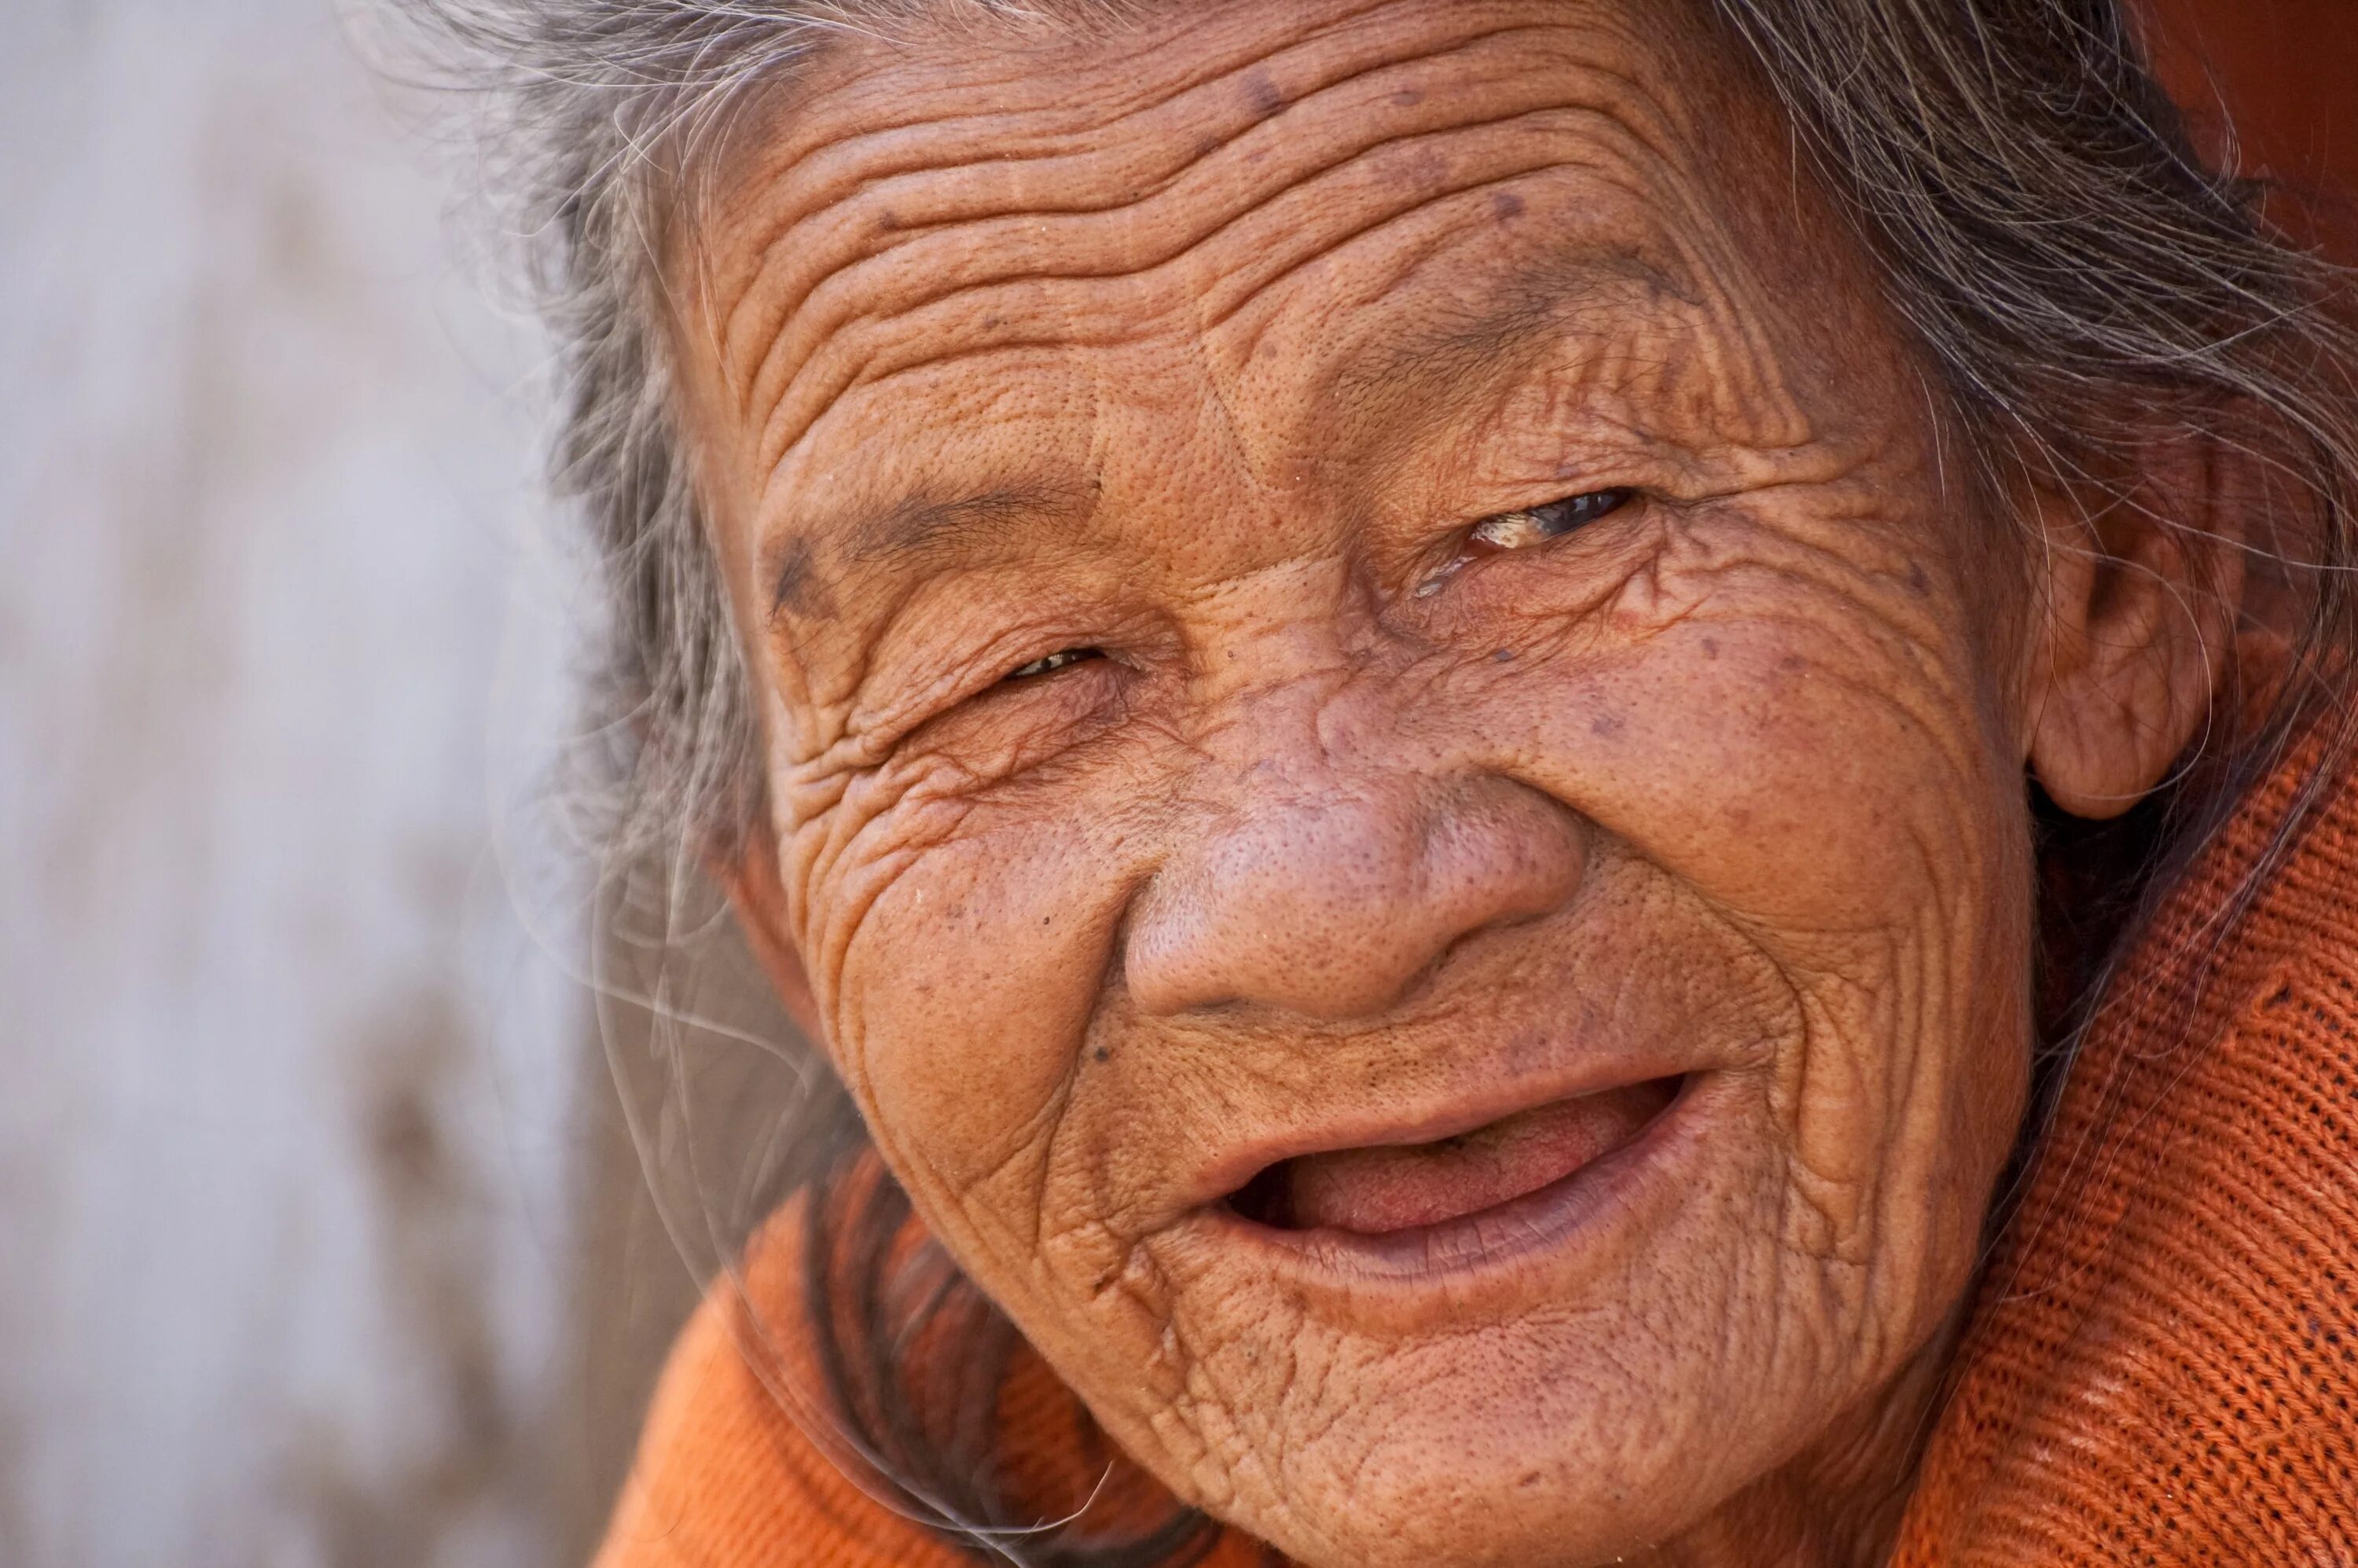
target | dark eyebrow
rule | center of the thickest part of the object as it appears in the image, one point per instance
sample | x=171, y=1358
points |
x=1535, y=303
x=913, y=525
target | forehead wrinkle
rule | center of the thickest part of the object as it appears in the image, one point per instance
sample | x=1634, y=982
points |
x=846, y=360
x=1612, y=265
x=1244, y=286
x=996, y=207
x=1751, y=370
x=877, y=193
x=1636, y=131
x=813, y=172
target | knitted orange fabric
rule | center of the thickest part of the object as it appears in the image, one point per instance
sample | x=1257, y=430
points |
x=728, y=1476
x=2162, y=1366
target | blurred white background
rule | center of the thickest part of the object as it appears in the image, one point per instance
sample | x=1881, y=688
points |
x=300, y=1126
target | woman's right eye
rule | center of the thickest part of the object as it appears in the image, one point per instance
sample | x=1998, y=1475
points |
x=1055, y=661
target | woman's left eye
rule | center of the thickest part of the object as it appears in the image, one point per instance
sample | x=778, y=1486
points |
x=1536, y=524
x=1055, y=661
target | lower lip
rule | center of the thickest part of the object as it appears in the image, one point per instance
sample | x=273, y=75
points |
x=1565, y=1214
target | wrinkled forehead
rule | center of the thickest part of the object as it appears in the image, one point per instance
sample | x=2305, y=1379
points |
x=1298, y=204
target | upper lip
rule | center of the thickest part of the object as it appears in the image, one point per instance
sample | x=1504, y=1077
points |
x=1369, y=1126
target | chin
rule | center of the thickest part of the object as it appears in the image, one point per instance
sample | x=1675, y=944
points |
x=1543, y=1466
x=1570, y=1380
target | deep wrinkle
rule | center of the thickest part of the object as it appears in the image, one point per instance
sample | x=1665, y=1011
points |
x=999, y=259
x=966, y=197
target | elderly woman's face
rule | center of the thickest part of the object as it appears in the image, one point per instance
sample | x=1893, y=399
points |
x=1398, y=791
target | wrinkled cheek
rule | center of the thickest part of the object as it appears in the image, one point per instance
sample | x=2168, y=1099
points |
x=962, y=1003
x=1799, y=794
x=1856, y=820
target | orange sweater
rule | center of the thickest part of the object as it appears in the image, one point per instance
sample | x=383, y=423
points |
x=2161, y=1367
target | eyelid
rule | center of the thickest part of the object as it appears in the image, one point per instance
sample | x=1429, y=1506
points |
x=980, y=671
x=1530, y=526
x=1064, y=658
x=1526, y=526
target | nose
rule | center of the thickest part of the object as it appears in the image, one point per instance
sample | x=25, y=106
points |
x=1328, y=889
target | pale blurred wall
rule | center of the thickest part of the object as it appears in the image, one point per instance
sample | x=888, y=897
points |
x=292, y=1170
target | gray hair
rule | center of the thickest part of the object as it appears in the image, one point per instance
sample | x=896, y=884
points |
x=605, y=115
x=2071, y=268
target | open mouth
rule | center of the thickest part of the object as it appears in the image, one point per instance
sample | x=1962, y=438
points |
x=1385, y=1189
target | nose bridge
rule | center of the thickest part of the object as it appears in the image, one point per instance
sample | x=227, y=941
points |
x=1302, y=792
x=1322, y=870
x=1296, y=749
x=1288, y=712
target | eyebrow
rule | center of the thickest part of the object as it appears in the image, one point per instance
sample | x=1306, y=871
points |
x=913, y=525
x=1536, y=303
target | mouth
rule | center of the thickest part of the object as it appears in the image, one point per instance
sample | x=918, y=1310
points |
x=1388, y=1189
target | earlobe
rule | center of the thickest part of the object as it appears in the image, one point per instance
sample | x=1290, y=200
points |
x=2142, y=596
x=748, y=874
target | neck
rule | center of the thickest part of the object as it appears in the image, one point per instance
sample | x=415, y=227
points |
x=1839, y=1504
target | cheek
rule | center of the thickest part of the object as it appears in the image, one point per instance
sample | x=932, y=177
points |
x=1849, y=802
x=1818, y=757
x=969, y=960
x=1813, y=749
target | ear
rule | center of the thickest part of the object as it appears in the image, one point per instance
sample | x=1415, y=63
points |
x=2144, y=594
x=749, y=875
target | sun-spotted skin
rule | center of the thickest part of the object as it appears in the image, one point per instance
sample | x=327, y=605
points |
x=1205, y=343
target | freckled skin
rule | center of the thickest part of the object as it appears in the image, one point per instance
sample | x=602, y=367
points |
x=1205, y=345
